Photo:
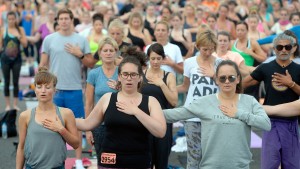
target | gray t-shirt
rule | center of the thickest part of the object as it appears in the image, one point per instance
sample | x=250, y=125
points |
x=225, y=141
x=64, y=65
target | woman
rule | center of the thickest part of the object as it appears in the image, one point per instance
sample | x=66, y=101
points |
x=129, y=117
x=295, y=18
x=180, y=36
x=45, y=130
x=256, y=30
x=161, y=85
x=116, y=31
x=283, y=23
x=198, y=81
x=27, y=22
x=166, y=13
x=211, y=22
x=44, y=30
x=190, y=20
x=223, y=53
x=223, y=23
x=96, y=34
x=136, y=32
x=12, y=37
x=101, y=80
x=227, y=118
x=232, y=15
x=264, y=15
x=150, y=19
x=250, y=50
x=247, y=47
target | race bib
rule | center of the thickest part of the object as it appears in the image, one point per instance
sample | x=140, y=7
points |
x=108, y=158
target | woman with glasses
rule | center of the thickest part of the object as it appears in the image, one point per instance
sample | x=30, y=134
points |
x=198, y=81
x=161, y=85
x=129, y=116
x=226, y=118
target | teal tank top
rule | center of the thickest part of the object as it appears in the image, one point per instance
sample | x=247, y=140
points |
x=44, y=148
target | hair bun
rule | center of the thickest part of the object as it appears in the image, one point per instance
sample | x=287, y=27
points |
x=43, y=69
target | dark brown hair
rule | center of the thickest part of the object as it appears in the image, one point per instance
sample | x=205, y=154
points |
x=239, y=87
x=65, y=11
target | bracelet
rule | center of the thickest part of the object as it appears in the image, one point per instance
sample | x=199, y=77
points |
x=81, y=57
x=62, y=131
x=292, y=85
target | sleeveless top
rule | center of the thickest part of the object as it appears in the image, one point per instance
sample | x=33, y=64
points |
x=155, y=91
x=249, y=60
x=147, y=25
x=126, y=137
x=182, y=48
x=136, y=41
x=94, y=48
x=187, y=26
x=11, y=49
x=44, y=148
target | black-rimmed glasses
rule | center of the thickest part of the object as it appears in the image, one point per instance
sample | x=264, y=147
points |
x=125, y=75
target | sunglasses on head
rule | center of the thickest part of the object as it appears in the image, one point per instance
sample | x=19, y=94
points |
x=287, y=47
x=231, y=78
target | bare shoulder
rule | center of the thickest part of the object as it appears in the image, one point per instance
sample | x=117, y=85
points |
x=66, y=113
x=25, y=115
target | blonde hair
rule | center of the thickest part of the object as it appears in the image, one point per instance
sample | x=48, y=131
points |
x=117, y=23
x=136, y=15
x=108, y=40
x=206, y=38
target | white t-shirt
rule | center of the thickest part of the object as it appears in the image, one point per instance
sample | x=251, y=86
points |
x=172, y=51
x=199, y=85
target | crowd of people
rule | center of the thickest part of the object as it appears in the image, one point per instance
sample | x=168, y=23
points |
x=122, y=71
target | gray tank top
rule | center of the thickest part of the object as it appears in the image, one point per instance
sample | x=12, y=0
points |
x=44, y=148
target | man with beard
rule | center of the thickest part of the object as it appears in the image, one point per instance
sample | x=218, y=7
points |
x=281, y=78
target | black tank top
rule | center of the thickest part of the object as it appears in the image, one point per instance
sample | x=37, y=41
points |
x=155, y=91
x=11, y=49
x=126, y=137
x=136, y=41
x=182, y=48
x=147, y=25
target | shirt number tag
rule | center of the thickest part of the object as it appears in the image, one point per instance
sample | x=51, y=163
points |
x=108, y=158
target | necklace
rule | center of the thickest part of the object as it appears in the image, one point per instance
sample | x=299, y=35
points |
x=285, y=65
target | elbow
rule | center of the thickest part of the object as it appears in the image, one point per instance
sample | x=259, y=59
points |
x=161, y=133
x=76, y=144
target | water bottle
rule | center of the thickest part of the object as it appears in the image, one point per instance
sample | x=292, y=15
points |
x=83, y=141
x=94, y=155
x=4, y=131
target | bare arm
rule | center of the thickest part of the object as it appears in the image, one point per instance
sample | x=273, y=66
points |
x=147, y=37
x=44, y=60
x=170, y=90
x=184, y=86
x=69, y=131
x=257, y=53
x=35, y=38
x=96, y=115
x=22, y=37
x=155, y=123
x=285, y=110
x=89, y=105
x=249, y=81
x=23, y=124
